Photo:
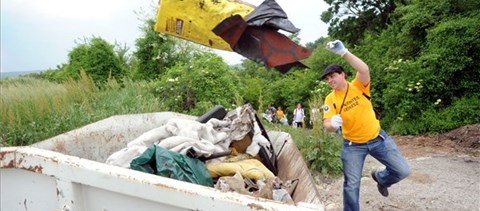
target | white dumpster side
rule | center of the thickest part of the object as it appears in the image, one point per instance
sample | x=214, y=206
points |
x=36, y=179
x=67, y=172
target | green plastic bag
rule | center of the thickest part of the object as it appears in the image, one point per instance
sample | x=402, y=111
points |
x=159, y=161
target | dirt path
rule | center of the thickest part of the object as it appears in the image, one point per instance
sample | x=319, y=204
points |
x=445, y=175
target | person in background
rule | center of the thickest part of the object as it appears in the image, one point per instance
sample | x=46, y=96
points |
x=280, y=113
x=349, y=112
x=273, y=113
x=298, y=115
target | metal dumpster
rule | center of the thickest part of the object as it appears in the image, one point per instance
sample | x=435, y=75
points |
x=67, y=172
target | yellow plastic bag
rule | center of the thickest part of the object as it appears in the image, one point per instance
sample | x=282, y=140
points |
x=250, y=168
x=194, y=20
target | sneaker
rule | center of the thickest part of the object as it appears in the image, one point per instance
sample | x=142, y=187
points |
x=381, y=189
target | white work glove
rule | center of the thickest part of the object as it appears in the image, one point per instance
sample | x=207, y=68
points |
x=337, y=47
x=336, y=121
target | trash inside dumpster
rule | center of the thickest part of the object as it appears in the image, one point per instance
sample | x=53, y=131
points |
x=88, y=169
x=162, y=162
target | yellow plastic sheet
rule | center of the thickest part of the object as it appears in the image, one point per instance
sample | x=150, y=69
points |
x=194, y=20
x=250, y=168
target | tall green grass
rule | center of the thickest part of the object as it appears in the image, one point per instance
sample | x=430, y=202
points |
x=34, y=109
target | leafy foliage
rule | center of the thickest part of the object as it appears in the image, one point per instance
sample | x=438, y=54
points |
x=251, y=69
x=418, y=17
x=207, y=80
x=155, y=53
x=255, y=90
x=418, y=68
x=315, y=44
x=452, y=53
x=323, y=154
x=98, y=58
x=350, y=19
x=293, y=88
x=323, y=150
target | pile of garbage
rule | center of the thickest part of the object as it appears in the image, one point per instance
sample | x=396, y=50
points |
x=228, y=151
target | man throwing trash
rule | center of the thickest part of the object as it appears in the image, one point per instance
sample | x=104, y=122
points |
x=349, y=112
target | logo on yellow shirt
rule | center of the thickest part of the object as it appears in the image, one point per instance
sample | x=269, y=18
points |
x=326, y=108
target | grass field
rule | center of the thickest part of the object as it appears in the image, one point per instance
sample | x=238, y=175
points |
x=34, y=109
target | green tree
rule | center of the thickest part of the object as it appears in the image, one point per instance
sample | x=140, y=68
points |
x=255, y=91
x=423, y=66
x=197, y=86
x=349, y=19
x=98, y=58
x=122, y=51
x=257, y=80
x=155, y=52
x=415, y=19
x=252, y=69
x=293, y=88
x=313, y=45
x=452, y=54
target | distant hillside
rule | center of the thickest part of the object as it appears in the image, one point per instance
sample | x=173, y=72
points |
x=19, y=73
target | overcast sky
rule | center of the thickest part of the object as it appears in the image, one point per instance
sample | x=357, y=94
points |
x=38, y=34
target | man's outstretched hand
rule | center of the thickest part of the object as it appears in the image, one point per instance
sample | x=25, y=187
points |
x=337, y=47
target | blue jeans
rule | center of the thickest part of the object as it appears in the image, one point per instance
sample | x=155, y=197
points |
x=382, y=148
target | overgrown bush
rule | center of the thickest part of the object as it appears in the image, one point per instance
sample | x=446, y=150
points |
x=293, y=88
x=322, y=149
x=322, y=153
x=420, y=94
x=97, y=58
x=254, y=89
x=206, y=80
x=155, y=53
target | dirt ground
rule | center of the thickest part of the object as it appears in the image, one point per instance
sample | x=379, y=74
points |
x=445, y=175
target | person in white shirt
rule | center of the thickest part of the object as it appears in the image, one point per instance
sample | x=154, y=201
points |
x=298, y=115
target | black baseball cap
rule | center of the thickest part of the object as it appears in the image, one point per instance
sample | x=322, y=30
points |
x=333, y=68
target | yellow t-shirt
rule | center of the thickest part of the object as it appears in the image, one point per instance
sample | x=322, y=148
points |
x=279, y=114
x=359, y=122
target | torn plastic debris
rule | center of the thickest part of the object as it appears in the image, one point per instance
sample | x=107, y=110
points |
x=257, y=37
x=269, y=13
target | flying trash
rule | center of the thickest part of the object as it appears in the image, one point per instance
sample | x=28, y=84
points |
x=234, y=25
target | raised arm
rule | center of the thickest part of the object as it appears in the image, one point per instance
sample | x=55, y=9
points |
x=363, y=73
